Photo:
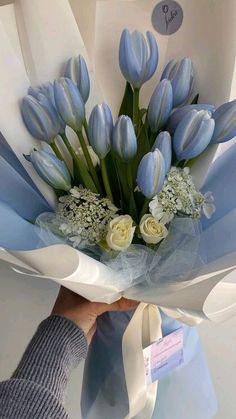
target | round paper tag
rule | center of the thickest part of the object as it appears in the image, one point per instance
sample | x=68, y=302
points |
x=167, y=17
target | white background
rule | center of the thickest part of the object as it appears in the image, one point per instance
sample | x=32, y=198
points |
x=209, y=35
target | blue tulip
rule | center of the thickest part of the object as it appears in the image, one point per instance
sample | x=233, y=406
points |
x=69, y=103
x=225, y=122
x=193, y=134
x=160, y=105
x=47, y=90
x=40, y=118
x=164, y=145
x=178, y=114
x=124, y=140
x=77, y=70
x=100, y=130
x=180, y=74
x=52, y=170
x=136, y=64
x=151, y=173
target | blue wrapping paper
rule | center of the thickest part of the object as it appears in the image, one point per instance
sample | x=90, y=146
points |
x=186, y=393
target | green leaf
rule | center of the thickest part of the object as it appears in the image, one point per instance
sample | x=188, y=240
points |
x=195, y=100
x=113, y=179
x=82, y=175
x=142, y=112
x=127, y=102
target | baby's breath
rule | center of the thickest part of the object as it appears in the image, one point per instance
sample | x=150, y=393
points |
x=179, y=196
x=85, y=216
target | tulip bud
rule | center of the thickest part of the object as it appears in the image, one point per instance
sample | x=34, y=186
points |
x=47, y=90
x=163, y=144
x=76, y=70
x=160, y=105
x=69, y=103
x=40, y=118
x=124, y=140
x=151, y=174
x=137, y=66
x=179, y=114
x=193, y=134
x=52, y=170
x=100, y=130
x=180, y=74
x=225, y=122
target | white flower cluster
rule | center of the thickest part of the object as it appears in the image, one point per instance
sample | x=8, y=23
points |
x=180, y=197
x=86, y=216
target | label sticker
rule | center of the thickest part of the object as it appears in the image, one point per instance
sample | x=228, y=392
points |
x=167, y=17
x=164, y=356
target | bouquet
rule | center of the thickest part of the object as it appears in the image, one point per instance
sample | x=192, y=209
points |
x=141, y=209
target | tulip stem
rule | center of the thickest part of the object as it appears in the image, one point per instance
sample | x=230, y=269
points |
x=89, y=161
x=144, y=208
x=106, y=179
x=57, y=151
x=136, y=109
x=132, y=203
x=86, y=129
x=80, y=166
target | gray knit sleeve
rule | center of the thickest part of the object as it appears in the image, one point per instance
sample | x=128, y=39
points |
x=37, y=387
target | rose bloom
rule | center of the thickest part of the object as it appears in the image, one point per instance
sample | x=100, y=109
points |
x=151, y=230
x=120, y=233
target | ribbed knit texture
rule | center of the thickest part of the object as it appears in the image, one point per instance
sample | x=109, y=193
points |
x=37, y=387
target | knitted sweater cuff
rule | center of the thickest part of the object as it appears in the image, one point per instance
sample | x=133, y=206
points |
x=54, y=351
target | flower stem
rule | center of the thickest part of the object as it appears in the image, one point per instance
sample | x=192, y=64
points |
x=132, y=204
x=80, y=166
x=144, y=208
x=57, y=151
x=106, y=179
x=86, y=129
x=136, y=109
x=89, y=161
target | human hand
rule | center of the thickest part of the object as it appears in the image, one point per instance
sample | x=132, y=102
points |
x=83, y=312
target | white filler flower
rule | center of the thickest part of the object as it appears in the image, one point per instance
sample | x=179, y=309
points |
x=179, y=196
x=85, y=216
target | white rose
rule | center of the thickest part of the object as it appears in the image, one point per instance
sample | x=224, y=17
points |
x=120, y=233
x=151, y=230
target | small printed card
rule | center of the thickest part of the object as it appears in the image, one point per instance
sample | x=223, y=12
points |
x=164, y=356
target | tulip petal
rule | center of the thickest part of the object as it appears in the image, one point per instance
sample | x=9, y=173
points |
x=100, y=130
x=160, y=105
x=193, y=134
x=151, y=174
x=128, y=60
x=225, y=119
x=124, y=140
x=169, y=70
x=137, y=66
x=164, y=144
x=69, y=103
x=178, y=114
x=152, y=62
x=52, y=170
x=181, y=82
x=77, y=70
